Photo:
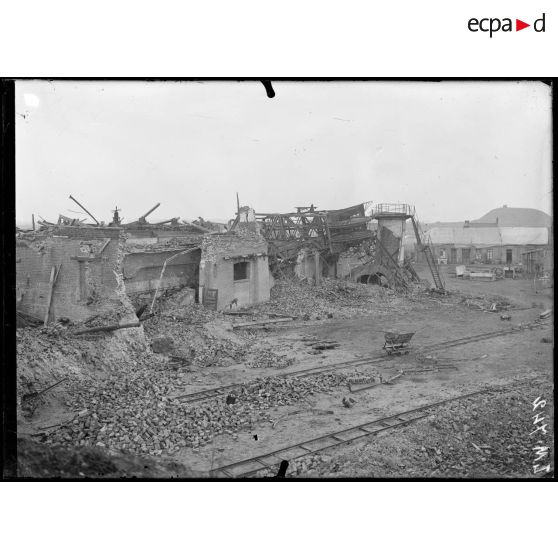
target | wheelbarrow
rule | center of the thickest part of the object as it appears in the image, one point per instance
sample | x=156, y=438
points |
x=397, y=343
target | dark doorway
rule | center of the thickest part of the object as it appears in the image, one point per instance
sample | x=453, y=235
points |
x=466, y=255
x=509, y=257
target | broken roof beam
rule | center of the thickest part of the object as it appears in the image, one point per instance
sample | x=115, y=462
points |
x=44, y=221
x=172, y=220
x=354, y=222
x=142, y=218
x=198, y=227
x=353, y=210
x=90, y=215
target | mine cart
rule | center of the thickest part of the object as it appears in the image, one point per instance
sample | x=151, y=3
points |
x=397, y=343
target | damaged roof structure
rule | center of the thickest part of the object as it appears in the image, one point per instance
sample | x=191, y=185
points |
x=332, y=231
x=326, y=236
x=74, y=270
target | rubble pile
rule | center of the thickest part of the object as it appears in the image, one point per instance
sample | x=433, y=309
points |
x=184, y=241
x=492, y=303
x=205, y=338
x=302, y=466
x=218, y=354
x=112, y=316
x=265, y=358
x=170, y=304
x=136, y=412
x=202, y=347
x=47, y=354
x=333, y=298
x=482, y=437
x=275, y=391
x=366, y=248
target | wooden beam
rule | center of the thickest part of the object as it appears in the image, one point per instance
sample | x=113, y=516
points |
x=105, y=328
x=104, y=246
x=261, y=322
x=53, y=276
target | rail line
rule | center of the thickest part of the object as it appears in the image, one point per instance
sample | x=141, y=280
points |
x=223, y=390
x=251, y=466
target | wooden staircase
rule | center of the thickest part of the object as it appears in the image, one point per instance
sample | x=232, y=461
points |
x=426, y=249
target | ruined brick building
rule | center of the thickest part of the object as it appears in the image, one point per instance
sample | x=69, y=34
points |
x=70, y=272
x=77, y=272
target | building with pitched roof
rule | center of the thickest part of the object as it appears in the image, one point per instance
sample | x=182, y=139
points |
x=486, y=245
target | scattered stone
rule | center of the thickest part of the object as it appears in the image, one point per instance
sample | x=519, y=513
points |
x=135, y=413
x=162, y=344
x=349, y=402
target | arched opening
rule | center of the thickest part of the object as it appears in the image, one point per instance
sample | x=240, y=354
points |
x=373, y=279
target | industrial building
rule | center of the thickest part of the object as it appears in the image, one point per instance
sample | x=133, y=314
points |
x=485, y=245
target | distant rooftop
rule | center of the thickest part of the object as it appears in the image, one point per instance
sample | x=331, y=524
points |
x=489, y=236
x=507, y=217
x=516, y=217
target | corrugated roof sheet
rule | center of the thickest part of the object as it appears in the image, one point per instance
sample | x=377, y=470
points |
x=490, y=236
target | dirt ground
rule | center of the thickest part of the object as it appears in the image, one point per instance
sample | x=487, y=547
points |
x=489, y=436
x=484, y=436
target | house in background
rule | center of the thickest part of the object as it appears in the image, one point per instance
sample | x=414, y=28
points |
x=486, y=245
x=503, y=236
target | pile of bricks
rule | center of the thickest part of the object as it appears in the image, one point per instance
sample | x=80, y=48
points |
x=135, y=412
x=265, y=358
x=333, y=298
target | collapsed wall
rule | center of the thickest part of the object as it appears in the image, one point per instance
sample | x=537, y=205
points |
x=309, y=265
x=71, y=272
x=90, y=288
x=391, y=233
x=142, y=272
x=354, y=257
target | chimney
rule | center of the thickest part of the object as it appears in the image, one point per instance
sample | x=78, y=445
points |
x=505, y=206
x=466, y=225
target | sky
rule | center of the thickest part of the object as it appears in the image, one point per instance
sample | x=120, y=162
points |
x=455, y=150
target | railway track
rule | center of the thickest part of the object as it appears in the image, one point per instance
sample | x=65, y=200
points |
x=203, y=395
x=271, y=461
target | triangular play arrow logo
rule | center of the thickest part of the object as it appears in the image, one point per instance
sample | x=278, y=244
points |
x=519, y=25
